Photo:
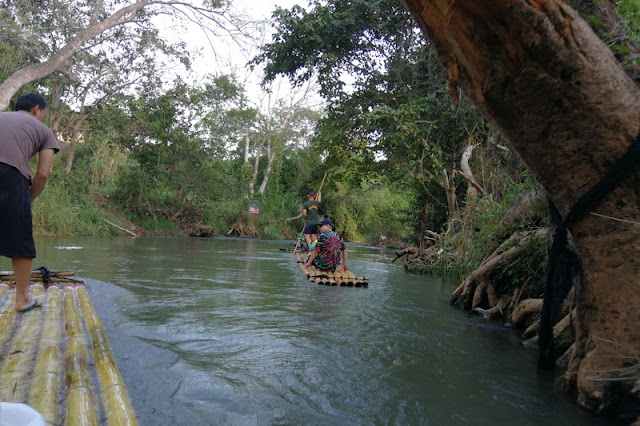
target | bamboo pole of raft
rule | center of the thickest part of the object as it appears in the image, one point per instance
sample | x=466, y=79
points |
x=53, y=280
x=4, y=289
x=117, y=404
x=8, y=275
x=7, y=314
x=81, y=406
x=63, y=277
x=17, y=364
x=45, y=384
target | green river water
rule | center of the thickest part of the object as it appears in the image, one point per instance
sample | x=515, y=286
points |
x=229, y=332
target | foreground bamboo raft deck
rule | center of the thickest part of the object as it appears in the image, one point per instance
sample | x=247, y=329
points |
x=339, y=277
x=57, y=360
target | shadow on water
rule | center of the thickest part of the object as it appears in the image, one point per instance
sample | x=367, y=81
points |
x=228, y=331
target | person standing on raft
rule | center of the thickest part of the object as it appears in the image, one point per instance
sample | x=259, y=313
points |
x=310, y=210
x=326, y=255
x=23, y=134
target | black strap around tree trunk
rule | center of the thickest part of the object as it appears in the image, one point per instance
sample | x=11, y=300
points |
x=563, y=263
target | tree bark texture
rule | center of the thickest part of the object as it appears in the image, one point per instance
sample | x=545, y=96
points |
x=541, y=75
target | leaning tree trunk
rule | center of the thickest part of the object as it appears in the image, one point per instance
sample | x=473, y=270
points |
x=541, y=75
x=33, y=72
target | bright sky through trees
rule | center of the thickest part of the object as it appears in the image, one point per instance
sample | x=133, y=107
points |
x=225, y=53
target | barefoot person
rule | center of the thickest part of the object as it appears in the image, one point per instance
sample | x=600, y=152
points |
x=310, y=212
x=22, y=136
x=326, y=255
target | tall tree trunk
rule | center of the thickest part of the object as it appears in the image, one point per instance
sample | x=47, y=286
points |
x=271, y=156
x=246, y=149
x=554, y=90
x=450, y=191
x=15, y=81
x=73, y=135
x=254, y=177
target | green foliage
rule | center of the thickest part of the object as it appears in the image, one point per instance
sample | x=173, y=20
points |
x=513, y=203
x=58, y=211
x=372, y=213
x=629, y=10
x=394, y=119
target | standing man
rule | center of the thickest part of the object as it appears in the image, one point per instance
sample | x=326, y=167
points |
x=310, y=212
x=22, y=136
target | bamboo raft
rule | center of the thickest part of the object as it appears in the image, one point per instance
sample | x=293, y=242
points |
x=338, y=278
x=56, y=359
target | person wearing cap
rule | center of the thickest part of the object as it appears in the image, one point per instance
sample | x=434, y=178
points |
x=326, y=255
x=23, y=134
x=310, y=212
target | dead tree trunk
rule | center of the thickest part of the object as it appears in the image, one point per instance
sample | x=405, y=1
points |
x=541, y=75
x=450, y=191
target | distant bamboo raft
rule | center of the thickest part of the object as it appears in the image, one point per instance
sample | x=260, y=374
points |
x=338, y=278
x=49, y=355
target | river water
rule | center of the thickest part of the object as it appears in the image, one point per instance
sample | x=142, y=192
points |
x=229, y=332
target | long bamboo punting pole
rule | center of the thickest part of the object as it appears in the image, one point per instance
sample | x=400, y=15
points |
x=45, y=384
x=116, y=401
x=18, y=362
x=81, y=406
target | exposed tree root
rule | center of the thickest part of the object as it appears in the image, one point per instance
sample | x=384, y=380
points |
x=524, y=310
x=466, y=296
x=497, y=310
x=198, y=230
x=242, y=228
x=563, y=334
x=532, y=330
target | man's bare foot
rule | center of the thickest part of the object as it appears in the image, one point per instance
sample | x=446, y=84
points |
x=32, y=304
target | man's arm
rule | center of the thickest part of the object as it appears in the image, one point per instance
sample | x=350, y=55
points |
x=45, y=163
x=313, y=256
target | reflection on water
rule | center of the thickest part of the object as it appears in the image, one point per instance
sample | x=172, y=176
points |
x=227, y=331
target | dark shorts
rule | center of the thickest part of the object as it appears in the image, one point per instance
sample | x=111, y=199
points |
x=16, y=232
x=310, y=229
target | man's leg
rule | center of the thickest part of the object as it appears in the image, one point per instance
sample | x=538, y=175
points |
x=22, y=270
x=308, y=240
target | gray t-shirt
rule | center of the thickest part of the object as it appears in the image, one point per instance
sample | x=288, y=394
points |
x=312, y=207
x=21, y=137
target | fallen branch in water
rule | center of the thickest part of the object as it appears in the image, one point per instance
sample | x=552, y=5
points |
x=121, y=228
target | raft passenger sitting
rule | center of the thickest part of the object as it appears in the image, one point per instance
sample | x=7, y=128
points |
x=326, y=255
